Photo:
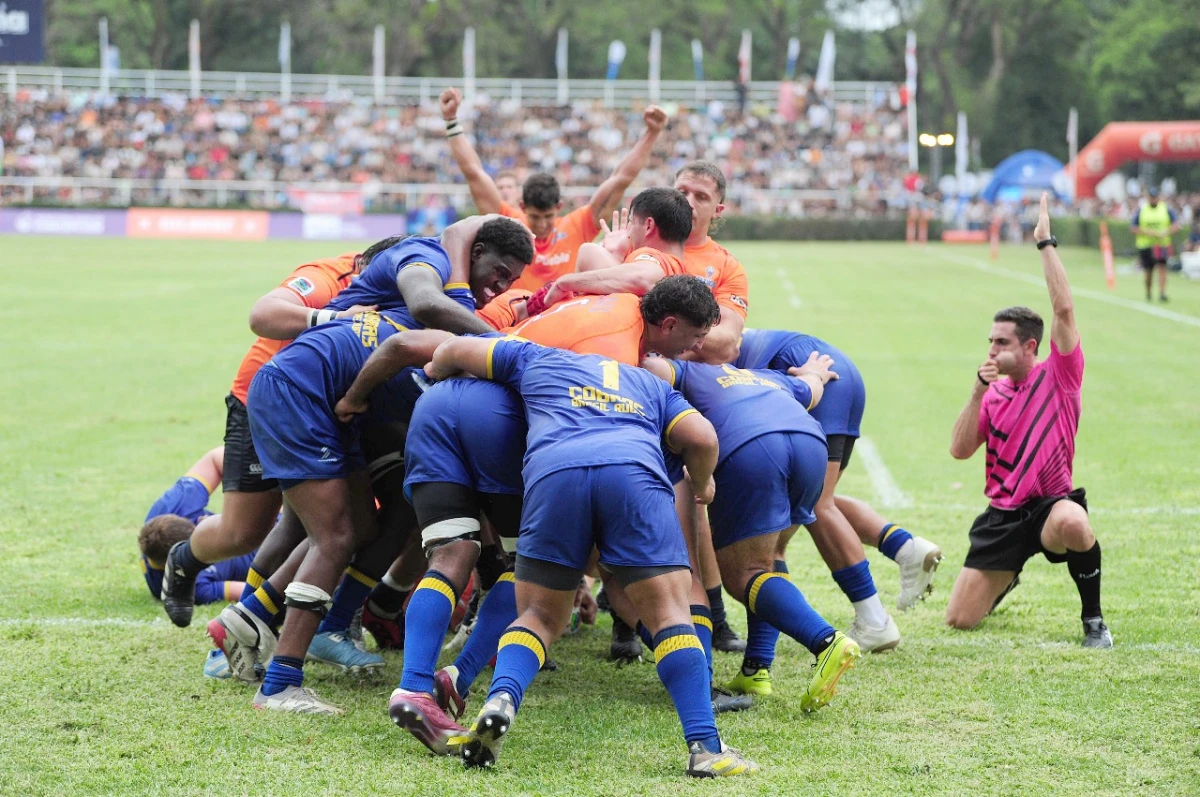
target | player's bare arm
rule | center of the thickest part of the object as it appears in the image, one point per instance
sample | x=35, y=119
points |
x=282, y=315
x=696, y=441
x=431, y=307
x=1063, y=331
x=461, y=355
x=209, y=468
x=608, y=196
x=410, y=349
x=723, y=342
x=483, y=187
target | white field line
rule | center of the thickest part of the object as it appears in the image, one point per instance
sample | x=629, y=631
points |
x=1093, y=510
x=889, y=493
x=82, y=622
x=1148, y=309
x=788, y=287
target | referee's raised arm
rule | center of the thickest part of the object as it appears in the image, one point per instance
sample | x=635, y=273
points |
x=1063, y=332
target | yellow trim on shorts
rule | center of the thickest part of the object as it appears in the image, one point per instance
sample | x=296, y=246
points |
x=525, y=640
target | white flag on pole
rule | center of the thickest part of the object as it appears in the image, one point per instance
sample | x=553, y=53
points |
x=194, y=57
x=824, y=79
x=560, y=65
x=655, y=59
x=744, y=52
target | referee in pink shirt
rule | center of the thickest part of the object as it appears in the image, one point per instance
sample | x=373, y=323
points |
x=1026, y=413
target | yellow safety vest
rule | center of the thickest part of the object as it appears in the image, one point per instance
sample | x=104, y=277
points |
x=1155, y=224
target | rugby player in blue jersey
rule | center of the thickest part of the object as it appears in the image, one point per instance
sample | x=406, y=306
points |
x=768, y=479
x=843, y=524
x=594, y=476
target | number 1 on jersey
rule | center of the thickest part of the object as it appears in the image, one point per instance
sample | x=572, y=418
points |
x=610, y=371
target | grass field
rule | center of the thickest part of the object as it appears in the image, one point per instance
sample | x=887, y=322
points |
x=117, y=356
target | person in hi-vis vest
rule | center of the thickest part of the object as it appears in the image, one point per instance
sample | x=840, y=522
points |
x=1154, y=224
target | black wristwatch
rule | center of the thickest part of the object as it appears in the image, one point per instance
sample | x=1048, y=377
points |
x=1051, y=241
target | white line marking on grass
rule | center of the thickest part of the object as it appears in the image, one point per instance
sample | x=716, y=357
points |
x=793, y=296
x=889, y=493
x=1094, y=510
x=1129, y=304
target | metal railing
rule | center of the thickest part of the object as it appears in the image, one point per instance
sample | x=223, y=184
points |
x=405, y=90
x=270, y=195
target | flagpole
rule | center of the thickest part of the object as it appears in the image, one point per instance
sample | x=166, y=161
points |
x=910, y=63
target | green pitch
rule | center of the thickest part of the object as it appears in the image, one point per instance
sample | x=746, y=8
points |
x=117, y=357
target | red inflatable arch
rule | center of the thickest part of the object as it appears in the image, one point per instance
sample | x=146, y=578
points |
x=1121, y=142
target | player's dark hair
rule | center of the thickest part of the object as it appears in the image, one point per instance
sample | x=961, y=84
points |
x=682, y=296
x=541, y=192
x=507, y=238
x=379, y=246
x=670, y=210
x=160, y=533
x=706, y=169
x=1029, y=324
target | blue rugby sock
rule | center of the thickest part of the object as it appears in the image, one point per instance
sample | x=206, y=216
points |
x=702, y=619
x=761, y=636
x=282, y=672
x=644, y=634
x=264, y=603
x=350, y=594
x=497, y=612
x=892, y=539
x=425, y=622
x=518, y=661
x=855, y=581
x=254, y=580
x=679, y=659
x=775, y=599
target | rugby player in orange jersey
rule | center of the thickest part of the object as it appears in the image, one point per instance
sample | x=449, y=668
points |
x=506, y=310
x=556, y=239
x=703, y=186
x=252, y=503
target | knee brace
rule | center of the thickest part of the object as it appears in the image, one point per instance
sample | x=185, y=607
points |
x=307, y=598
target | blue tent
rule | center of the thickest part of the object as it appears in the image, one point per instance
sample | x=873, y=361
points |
x=1030, y=171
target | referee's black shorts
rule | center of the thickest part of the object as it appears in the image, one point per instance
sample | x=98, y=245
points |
x=1005, y=539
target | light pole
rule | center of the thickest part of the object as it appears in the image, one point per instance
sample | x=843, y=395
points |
x=936, y=142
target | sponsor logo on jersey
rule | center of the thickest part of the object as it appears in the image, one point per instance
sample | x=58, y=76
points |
x=739, y=301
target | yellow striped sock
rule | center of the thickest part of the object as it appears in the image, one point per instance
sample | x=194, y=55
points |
x=526, y=640
x=254, y=578
x=361, y=577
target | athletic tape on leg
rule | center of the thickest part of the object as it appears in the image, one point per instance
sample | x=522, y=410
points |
x=444, y=531
x=307, y=598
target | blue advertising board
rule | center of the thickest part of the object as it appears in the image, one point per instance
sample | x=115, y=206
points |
x=22, y=31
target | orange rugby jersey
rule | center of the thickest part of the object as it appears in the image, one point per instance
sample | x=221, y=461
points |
x=610, y=326
x=712, y=263
x=499, y=313
x=670, y=264
x=316, y=284
x=555, y=255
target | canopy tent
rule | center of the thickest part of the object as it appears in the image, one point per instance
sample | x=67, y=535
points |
x=1026, y=173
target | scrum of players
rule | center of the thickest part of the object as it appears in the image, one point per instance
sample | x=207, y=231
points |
x=501, y=415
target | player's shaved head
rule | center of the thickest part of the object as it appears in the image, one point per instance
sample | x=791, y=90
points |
x=668, y=208
x=541, y=192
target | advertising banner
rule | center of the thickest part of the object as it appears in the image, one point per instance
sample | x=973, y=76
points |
x=22, y=31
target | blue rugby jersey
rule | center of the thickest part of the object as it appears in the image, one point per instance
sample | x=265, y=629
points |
x=742, y=404
x=584, y=410
x=376, y=285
